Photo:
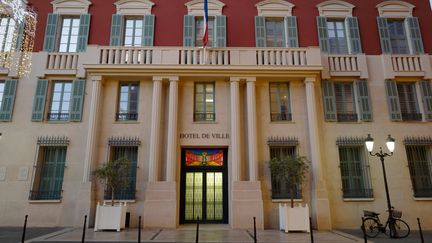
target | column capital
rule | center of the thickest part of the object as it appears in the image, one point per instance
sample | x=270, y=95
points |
x=157, y=78
x=251, y=79
x=170, y=78
x=173, y=78
x=96, y=77
x=235, y=79
x=310, y=80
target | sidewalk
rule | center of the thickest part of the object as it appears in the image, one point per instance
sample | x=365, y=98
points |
x=187, y=235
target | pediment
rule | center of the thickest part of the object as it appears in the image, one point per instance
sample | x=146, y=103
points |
x=335, y=9
x=196, y=7
x=274, y=8
x=70, y=6
x=395, y=9
x=134, y=7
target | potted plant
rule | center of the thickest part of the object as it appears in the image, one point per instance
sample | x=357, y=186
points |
x=292, y=171
x=114, y=175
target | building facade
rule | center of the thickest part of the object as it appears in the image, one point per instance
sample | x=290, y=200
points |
x=130, y=78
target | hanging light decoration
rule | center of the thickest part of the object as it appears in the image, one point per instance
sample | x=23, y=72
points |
x=17, y=52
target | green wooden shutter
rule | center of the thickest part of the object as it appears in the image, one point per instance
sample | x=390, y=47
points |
x=83, y=32
x=39, y=100
x=384, y=35
x=8, y=100
x=77, y=100
x=414, y=33
x=329, y=101
x=148, y=30
x=291, y=31
x=393, y=100
x=323, y=34
x=52, y=173
x=20, y=36
x=426, y=92
x=353, y=34
x=364, y=100
x=220, y=31
x=260, y=31
x=188, y=31
x=116, y=30
x=50, y=32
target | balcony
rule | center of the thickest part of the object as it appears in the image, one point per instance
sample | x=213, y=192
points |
x=345, y=65
x=62, y=63
x=398, y=65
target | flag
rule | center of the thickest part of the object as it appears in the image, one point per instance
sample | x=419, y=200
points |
x=205, y=36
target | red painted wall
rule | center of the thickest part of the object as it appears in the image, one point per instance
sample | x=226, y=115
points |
x=240, y=22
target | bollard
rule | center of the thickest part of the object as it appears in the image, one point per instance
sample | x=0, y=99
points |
x=364, y=231
x=255, y=237
x=311, y=230
x=420, y=230
x=139, y=229
x=197, y=230
x=84, y=229
x=24, y=229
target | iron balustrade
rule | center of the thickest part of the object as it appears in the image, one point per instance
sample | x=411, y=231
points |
x=57, y=116
x=411, y=116
x=204, y=116
x=127, y=116
x=347, y=117
x=275, y=116
x=121, y=194
x=45, y=195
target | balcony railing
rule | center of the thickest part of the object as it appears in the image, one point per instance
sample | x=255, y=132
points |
x=204, y=116
x=127, y=116
x=406, y=63
x=347, y=117
x=411, y=116
x=62, y=61
x=45, y=195
x=58, y=116
x=281, y=116
x=343, y=63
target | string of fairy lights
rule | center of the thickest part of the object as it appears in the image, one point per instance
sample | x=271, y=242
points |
x=23, y=21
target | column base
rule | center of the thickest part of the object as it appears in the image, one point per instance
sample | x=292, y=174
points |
x=160, y=205
x=84, y=205
x=323, y=217
x=246, y=204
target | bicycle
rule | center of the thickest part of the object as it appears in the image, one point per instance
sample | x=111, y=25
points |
x=373, y=226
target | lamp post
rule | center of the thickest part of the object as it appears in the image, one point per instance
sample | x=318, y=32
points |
x=390, y=143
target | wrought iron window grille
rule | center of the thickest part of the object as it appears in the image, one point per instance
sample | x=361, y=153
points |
x=285, y=141
x=53, y=141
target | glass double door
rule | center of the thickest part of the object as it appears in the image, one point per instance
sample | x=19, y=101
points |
x=204, y=197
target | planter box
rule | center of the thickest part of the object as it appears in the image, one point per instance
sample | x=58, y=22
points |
x=110, y=217
x=293, y=219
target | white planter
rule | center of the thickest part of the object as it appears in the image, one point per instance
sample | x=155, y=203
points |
x=110, y=217
x=293, y=219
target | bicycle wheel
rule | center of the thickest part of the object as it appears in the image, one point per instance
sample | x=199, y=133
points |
x=400, y=229
x=371, y=227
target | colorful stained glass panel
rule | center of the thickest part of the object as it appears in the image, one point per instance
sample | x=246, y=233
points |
x=204, y=157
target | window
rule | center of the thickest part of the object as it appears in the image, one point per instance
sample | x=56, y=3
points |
x=276, y=31
x=49, y=173
x=125, y=192
x=199, y=31
x=65, y=100
x=280, y=188
x=280, y=107
x=399, y=31
x=420, y=166
x=345, y=106
x=337, y=36
x=347, y=101
x=133, y=32
x=2, y=88
x=403, y=100
x=60, y=101
x=354, y=172
x=204, y=102
x=69, y=34
x=128, y=102
x=7, y=30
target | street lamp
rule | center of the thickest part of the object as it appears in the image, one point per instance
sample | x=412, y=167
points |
x=390, y=143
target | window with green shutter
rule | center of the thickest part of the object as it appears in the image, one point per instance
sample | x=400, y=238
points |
x=49, y=173
x=7, y=99
x=420, y=167
x=276, y=31
x=339, y=35
x=354, y=172
x=126, y=192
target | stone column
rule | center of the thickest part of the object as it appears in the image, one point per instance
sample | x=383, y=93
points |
x=160, y=204
x=235, y=129
x=155, y=130
x=319, y=200
x=252, y=129
x=84, y=203
x=245, y=195
x=172, y=129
